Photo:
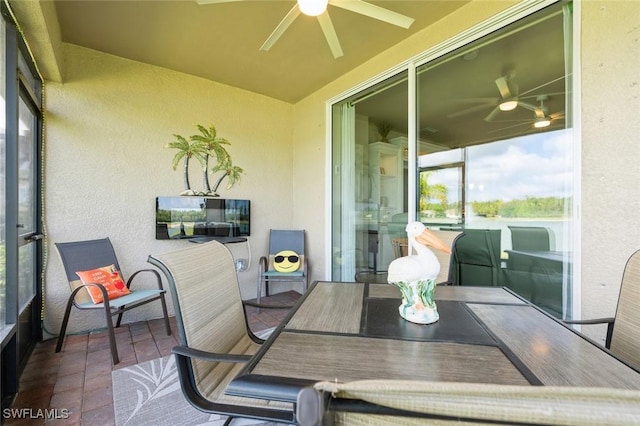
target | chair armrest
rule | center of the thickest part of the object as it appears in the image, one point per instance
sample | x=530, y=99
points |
x=209, y=356
x=262, y=265
x=590, y=321
x=310, y=407
x=153, y=271
x=609, y=321
x=262, y=305
x=105, y=295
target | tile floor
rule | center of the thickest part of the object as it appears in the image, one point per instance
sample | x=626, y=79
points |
x=78, y=379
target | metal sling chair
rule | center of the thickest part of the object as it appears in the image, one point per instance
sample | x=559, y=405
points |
x=215, y=339
x=280, y=240
x=389, y=402
x=623, y=330
x=86, y=255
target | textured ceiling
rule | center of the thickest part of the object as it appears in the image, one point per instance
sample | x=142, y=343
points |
x=221, y=42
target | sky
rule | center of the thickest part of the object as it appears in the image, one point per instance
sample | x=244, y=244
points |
x=537, y=165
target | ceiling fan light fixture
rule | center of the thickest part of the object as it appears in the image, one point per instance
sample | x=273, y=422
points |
x=313, y=7
x=541, y=122
x=508, y=105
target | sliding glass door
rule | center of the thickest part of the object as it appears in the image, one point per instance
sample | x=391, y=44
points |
x=494, y=154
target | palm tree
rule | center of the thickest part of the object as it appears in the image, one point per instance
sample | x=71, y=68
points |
x=187, y=150
x=201, y=147
x=233, y=172
x=214, y=146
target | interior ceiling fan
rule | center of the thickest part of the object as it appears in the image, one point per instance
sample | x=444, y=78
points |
x=541, y=117
x=508, y=100
x=318, y=8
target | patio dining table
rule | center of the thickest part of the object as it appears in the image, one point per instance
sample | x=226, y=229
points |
x=342, y=331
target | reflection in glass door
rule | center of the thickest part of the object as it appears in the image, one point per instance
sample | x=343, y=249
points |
x=502, y=105
x=369, y=179
x=494, y=151
x=27, y=202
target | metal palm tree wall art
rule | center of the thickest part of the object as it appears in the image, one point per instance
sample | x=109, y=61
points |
x=202, y=147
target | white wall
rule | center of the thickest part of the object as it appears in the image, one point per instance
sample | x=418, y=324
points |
x=105, y=129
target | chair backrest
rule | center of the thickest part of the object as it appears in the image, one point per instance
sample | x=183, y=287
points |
x=476, y=258
x=531, y=238
x=400, y=247
x=208, y=307
x=280, y=239
x=84, y=256
x=625, y=338
x=449, y=238
x=469, y=403
x=286, y=239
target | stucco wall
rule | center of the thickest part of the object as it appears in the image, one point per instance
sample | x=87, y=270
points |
x=610, y=92
x=105, y=162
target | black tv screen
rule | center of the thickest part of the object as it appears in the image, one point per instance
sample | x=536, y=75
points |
x=191, y=217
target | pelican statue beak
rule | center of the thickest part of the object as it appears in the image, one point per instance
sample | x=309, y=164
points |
x=430, y=239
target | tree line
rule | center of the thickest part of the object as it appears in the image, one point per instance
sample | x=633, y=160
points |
x=528, y=207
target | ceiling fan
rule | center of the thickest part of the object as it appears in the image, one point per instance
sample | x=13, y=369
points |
x=508, y=100
x=318, y=8
x=541, y=117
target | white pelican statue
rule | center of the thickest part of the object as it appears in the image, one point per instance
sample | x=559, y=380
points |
x=416, y=274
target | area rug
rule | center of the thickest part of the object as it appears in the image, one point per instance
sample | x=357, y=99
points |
x=149, y=394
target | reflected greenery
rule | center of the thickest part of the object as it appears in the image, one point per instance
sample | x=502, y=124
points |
x=530, y=207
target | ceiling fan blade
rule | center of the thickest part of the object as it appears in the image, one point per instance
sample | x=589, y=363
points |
x=510, y=127
x=375, y=12
x=503, y=87
x=470, y=110
x=557, y=115
x=548, y=95
x=330, y=34
x=216, y=1
x=543, y=85
x=281, y=28
x=492, y=114
x=488, y=101
x=530, y=107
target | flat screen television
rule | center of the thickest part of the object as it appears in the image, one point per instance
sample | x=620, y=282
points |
x=191, y=217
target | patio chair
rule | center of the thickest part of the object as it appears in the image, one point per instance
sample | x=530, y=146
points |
x=475, y=258
x=283, y=240
x=93, y=254
x=378, y=402
x=525, y=238
x=215, y=340
x=623, y=330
